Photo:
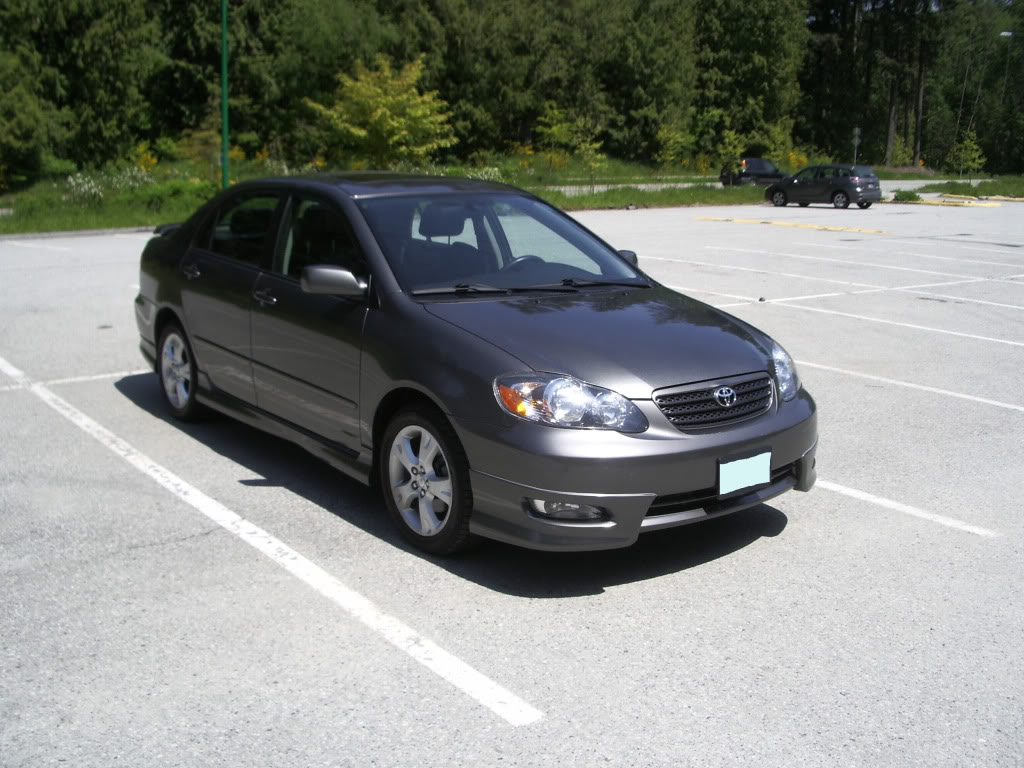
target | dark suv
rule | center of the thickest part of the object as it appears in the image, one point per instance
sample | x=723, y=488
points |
x=839, y=185
x=752, y=170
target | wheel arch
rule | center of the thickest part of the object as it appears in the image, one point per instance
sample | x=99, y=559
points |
x=389, y=405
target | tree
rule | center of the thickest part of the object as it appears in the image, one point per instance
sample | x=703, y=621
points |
x=966, y=155
x=380, y=115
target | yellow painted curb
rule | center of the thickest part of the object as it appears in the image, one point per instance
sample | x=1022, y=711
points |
x=958, y=197
x=1006, y=199
x=950, y=203
x=794, y=224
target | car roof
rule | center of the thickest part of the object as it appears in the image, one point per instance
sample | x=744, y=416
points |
x=384, y=184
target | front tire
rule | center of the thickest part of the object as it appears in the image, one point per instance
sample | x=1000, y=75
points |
x=177, y=370
x=424, y=476
x=779, y=198
x=841, y=200
x=864, y=204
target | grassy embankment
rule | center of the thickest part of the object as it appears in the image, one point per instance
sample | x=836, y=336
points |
x=1008, y=186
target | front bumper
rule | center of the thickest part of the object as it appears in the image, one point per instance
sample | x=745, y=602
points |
x=657, y=479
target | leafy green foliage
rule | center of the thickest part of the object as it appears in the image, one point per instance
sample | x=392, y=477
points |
x=966, y=155
x=380, y=115
x=905, y=196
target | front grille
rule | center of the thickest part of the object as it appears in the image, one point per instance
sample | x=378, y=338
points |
x=684, y=502
x=697, y=408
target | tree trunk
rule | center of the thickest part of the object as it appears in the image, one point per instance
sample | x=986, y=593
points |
x=892, y=124
x=919, y=111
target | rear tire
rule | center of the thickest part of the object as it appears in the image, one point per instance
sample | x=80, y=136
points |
x=841, y=200
x=424, y=476
x=176, y=367
x=864, y=205
x=779, y=198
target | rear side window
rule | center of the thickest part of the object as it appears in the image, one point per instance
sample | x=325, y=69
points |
x=843, y=173
x=242, y=228
x=863, y=170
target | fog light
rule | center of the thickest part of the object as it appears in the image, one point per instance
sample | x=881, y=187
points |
x=565, y=510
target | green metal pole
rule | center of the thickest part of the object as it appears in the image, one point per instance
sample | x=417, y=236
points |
x=224, y=169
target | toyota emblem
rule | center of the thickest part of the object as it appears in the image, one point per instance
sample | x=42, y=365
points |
x=725, y=396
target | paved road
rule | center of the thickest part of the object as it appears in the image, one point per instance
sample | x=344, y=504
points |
x=876, y=621
x=888, y=187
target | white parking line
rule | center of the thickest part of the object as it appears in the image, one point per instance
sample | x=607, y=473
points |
x=910, y=385
x=903, y=325
x=79, y=379
x=906, y=509
x=837, y=261
x=876, y=250
x=964, y=299
x=36, y=246
x=763, y=271
x=499, y=700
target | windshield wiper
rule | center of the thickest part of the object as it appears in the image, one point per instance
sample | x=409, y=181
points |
x=572, y=282
x=460, y=288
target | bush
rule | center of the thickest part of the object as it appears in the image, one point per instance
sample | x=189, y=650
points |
x=83, y=189
x=906, y=196
x=181, y=193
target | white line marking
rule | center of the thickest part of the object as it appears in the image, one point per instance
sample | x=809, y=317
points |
x=683, y=288
x=79, y=379
x=904, y=325
x=867, y=249
x=38, y=246
x=987, y=250
x=906, y=509
x=909, y=385
x=953, y=258
x=791, y=298
x=499, y=700
x=965, y=299
x=837, y=261
x=762, y=271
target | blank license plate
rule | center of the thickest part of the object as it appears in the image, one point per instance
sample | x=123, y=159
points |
x=744, y=473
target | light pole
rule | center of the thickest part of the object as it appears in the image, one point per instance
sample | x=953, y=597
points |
x=1006, y=74
x=224, y=170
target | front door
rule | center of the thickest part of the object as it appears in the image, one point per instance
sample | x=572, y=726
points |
x=219, y=273
x=306, y=347
x=801, y=189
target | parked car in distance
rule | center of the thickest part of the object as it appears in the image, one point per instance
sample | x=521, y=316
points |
x=494, y=367
x=839, y=185
x=752, y=170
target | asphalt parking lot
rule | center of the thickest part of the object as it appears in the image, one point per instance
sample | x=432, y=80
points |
x=207, y=595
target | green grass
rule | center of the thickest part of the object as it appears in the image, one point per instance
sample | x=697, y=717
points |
x=173, y=191
x=905, y=196
x=1010, y=186
x=623, y=197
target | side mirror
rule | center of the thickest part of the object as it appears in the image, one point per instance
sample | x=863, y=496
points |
x=333, y=281
x=629, y=256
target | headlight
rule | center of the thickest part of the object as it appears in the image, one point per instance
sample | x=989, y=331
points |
x=785, y=372
x=562, y=401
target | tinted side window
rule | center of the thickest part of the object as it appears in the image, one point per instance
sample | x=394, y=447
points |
x=806, y=174
x=242, y=228
x=318, y=232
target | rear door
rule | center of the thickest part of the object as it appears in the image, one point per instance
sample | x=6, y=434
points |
x=219, y=274
x=306, y=347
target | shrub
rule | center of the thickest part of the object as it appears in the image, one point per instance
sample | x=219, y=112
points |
x=83, y=189
x=905, y=196
x=188, y=193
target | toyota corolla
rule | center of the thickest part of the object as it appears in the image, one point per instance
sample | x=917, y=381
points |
x=494, y=367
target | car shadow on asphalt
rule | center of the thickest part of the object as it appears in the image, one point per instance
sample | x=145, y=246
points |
x=493, y=565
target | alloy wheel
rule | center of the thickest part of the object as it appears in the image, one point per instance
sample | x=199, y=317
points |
x=420, y=480
x=176, y=371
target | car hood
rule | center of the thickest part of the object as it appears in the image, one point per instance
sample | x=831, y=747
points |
x=632, y=341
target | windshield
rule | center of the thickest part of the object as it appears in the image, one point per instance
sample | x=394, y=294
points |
x=488, y=241
x=863, y=170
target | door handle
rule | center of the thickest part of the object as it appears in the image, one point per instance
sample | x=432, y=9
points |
x=191, y=271
x=264, y=298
